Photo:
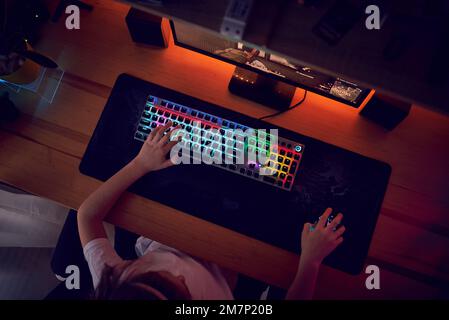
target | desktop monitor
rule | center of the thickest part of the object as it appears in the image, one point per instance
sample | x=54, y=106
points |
x=264, y=77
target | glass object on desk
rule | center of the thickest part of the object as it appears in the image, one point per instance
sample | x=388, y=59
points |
x=46, y=84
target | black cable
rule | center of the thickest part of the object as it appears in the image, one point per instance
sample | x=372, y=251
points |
x=285, y=110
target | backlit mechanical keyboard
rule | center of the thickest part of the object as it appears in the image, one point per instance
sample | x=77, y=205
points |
x=281, y=164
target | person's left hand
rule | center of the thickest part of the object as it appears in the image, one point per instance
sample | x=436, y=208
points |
x=152, y=156
x=319, y=241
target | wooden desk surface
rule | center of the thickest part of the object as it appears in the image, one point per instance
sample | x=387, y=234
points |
x=41, y=152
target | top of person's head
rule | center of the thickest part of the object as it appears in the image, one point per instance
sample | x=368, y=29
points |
x=126, y=282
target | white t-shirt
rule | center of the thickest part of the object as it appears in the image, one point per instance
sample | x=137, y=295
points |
x=204, y=279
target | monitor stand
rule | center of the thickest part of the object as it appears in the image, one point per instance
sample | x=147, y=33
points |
x=262, y=89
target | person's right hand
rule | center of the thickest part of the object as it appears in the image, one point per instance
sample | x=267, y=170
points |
x=319, y=241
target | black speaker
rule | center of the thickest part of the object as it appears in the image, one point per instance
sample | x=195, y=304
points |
x=386, y=111
x=149, y=29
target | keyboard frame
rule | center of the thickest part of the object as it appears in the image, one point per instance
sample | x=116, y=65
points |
x=158, y=110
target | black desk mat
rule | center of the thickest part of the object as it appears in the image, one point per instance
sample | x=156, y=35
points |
x=329, y=176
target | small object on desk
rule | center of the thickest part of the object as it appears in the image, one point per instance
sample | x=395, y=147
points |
x=386, y=111
x=148, y=29
x=20, y=22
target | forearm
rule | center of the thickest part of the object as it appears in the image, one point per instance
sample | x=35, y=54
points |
x=303, y=285
x=98, y=204
x=317, y=241
x=95, y=208
x=152, y=156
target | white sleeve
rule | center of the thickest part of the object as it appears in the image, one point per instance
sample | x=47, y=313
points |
x=98, y=253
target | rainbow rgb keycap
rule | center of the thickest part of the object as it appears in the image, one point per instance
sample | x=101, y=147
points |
x=201, y=127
